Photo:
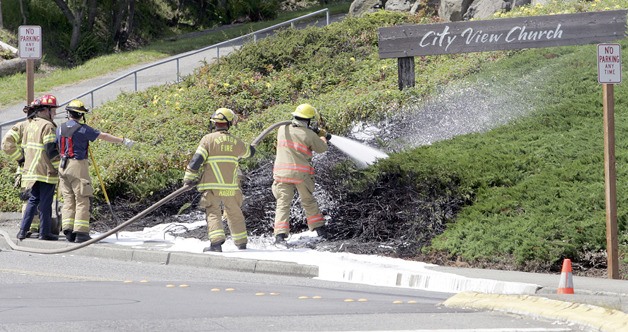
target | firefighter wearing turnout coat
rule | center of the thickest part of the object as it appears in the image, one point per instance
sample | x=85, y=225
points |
x=73, y=139
x=214, y=170
x=12, y=146
x=41, y=162
x=293, y=169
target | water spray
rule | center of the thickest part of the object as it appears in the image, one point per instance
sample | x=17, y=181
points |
x=361, y=154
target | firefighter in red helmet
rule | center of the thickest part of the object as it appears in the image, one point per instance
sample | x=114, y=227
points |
x=41, y=162
x=12, y=146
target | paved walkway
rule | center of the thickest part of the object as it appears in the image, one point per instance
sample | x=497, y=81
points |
x=150, y=75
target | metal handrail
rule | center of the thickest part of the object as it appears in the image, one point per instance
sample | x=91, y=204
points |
x=217, y=46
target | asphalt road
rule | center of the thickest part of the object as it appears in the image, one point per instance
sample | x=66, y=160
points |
x=67, y=292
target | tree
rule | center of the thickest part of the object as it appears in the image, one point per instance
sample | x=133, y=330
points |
x=75, y=17
x=123, y=22
x=1, y=25
x=22, y=12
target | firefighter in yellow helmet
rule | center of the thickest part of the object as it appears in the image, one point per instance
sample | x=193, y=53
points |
x=293, y=170
x=73, y=139
x=12, y=146
x=214, y=170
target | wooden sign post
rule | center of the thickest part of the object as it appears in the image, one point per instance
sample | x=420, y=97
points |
x=29, y=39
x=609, y=73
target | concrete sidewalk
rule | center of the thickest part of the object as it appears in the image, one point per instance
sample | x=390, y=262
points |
x=598, y=303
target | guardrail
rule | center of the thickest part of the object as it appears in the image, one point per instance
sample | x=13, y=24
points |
x=253, y=35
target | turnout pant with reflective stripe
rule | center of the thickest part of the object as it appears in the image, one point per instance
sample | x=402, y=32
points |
x=42, y=194
x=35, y=223
x=76, y=188
x=211, y=201
x=284, y=193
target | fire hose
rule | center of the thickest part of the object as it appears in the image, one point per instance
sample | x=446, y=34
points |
x=263, y=134
x=102, y=236
x=115, y=230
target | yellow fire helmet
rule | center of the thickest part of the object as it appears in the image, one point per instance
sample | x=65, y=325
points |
x=224, y=115
x=305, y=111
x=76, y=106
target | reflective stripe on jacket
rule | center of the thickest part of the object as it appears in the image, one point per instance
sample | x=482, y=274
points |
x=12, y=141
x=219, y=153
x=295, y=144
x=41, y=157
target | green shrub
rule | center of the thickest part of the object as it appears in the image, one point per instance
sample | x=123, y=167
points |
x=9, y=199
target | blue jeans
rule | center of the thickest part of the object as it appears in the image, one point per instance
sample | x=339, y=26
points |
x=42, y=195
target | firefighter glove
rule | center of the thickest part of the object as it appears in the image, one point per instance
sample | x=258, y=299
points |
x=18, y=180
x=190, y=183
x=321, y=132
x=25, y=194
x=127, y=142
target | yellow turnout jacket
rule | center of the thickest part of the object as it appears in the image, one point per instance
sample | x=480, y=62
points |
x=12, y=141
x=217, y=158
x=41, y=156
x=295, y=144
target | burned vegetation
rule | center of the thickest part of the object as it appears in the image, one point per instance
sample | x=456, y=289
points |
x=389, y=212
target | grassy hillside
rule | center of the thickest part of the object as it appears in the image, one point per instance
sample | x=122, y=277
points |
x=533, y=190
x=13, y=89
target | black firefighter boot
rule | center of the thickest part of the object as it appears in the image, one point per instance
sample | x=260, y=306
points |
x=69, y=236
x=322, y=232
x=280, y=239
x=82, y=237
x=216, y=246
x=21, y=235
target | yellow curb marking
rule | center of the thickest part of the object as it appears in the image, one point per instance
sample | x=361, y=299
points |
x=601, y=319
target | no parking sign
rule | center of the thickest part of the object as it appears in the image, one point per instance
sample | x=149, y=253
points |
x=609, y=63
x=29, y=39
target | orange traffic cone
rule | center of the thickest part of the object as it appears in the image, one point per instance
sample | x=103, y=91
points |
x=565, y=286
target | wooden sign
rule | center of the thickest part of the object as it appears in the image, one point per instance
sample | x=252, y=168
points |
x=502, y=34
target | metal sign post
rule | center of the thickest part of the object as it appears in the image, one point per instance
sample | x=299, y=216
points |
x=29, y=39
x=609, y=73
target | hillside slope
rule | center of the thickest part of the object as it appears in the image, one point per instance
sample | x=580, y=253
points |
x=522, y=195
